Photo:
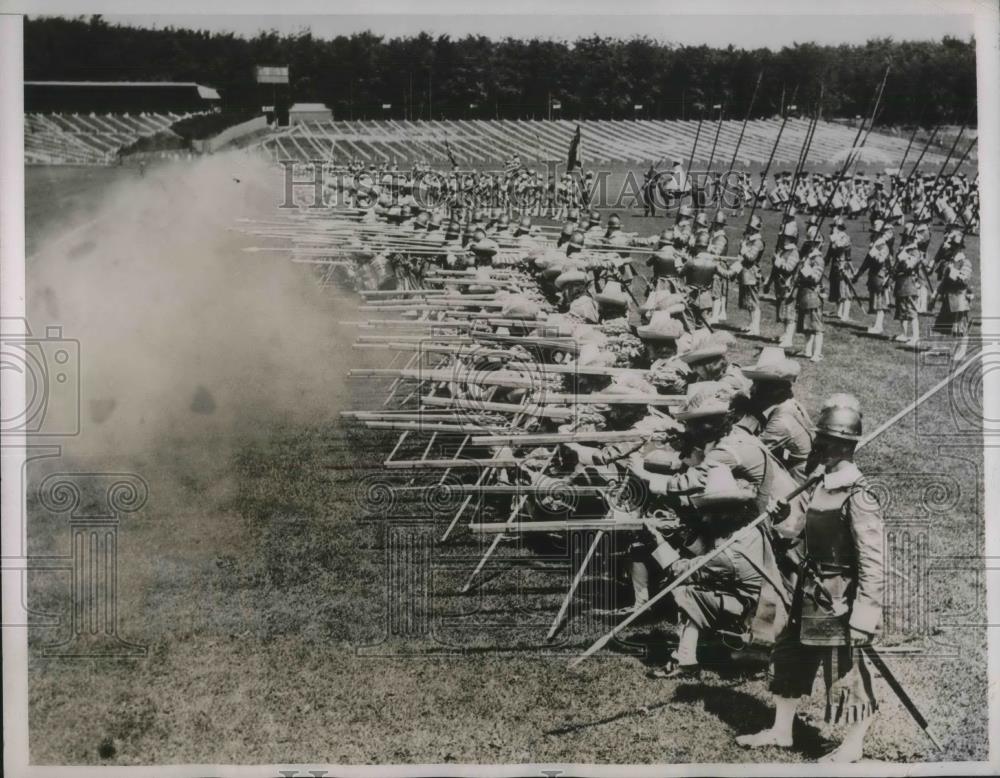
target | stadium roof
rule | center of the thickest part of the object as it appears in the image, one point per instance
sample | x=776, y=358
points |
x=206, y=92
x=309, y=107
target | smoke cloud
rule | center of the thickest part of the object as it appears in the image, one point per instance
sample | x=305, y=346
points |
x=184, y=339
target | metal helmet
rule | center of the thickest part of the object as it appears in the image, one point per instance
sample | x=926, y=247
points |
x=755, y=224
x=423, y=218
x=573, y=215
x=525, y=223
x=840, y=417
x=701, y=220
x=576, y=240
x=595, y=218
x=720, y=219
x=666, y=237
x=478, y=235
x=504, y=221
x=614, y=222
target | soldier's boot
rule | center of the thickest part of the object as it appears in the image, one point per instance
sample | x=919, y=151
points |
x=780, y=734
x=817, y=354
x=788, y=339
x=879, y=326
x=905, y=334
x=850, y=750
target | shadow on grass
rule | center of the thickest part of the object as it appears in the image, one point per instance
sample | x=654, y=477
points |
x=746, y=714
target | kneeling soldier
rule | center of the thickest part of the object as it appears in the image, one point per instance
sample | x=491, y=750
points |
x=722, y=595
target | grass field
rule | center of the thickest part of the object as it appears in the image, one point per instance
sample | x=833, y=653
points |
x=283, y=621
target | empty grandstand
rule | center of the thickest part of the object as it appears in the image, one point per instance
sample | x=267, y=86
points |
x=87, y=139
x=476, y=143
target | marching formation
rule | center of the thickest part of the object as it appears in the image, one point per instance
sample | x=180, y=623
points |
x=555, y=382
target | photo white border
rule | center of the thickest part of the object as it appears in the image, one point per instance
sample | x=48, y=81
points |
x=15, y=654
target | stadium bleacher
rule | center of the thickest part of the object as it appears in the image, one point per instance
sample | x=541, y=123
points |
x=87, y=139
x=603, y=142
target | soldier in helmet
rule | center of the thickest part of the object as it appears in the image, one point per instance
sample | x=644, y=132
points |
x=877, y=264
x=841, y=269
x=953, y=289
x=683, y=228
x=808, y=282
x=837, y=603
x=718, y=244
x=699, y=275
x=783, y=270
x=594, y=230
x=905, y=271
x=750, y=253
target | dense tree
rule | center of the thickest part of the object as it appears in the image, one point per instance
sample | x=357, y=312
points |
x=423, y=76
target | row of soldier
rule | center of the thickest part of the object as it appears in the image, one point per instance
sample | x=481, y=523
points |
x=738, y=442
x=692, y=258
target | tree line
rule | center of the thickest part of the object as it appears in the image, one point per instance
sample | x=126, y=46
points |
x=368, y=76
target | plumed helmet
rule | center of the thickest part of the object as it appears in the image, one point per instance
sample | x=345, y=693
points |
x=840, y=417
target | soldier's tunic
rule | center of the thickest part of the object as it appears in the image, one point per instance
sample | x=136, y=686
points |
x=787, y=432
x=751, y=251
x=876, y=264
x=683, y=233
x=808, y=304
x=717, y=246
x=953, y=318
x=781, y=277
x=841, y=269
x=585, y=309
x=699, y=274
x=908, y=262
x=747, y=457
x=723, y=594
x=839, y=586
x=666, y=264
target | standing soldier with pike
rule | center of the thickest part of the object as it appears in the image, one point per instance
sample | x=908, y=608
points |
x=836, y=605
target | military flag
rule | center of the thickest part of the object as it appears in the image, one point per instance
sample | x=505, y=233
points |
x=454, y=162
x=573, y=161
